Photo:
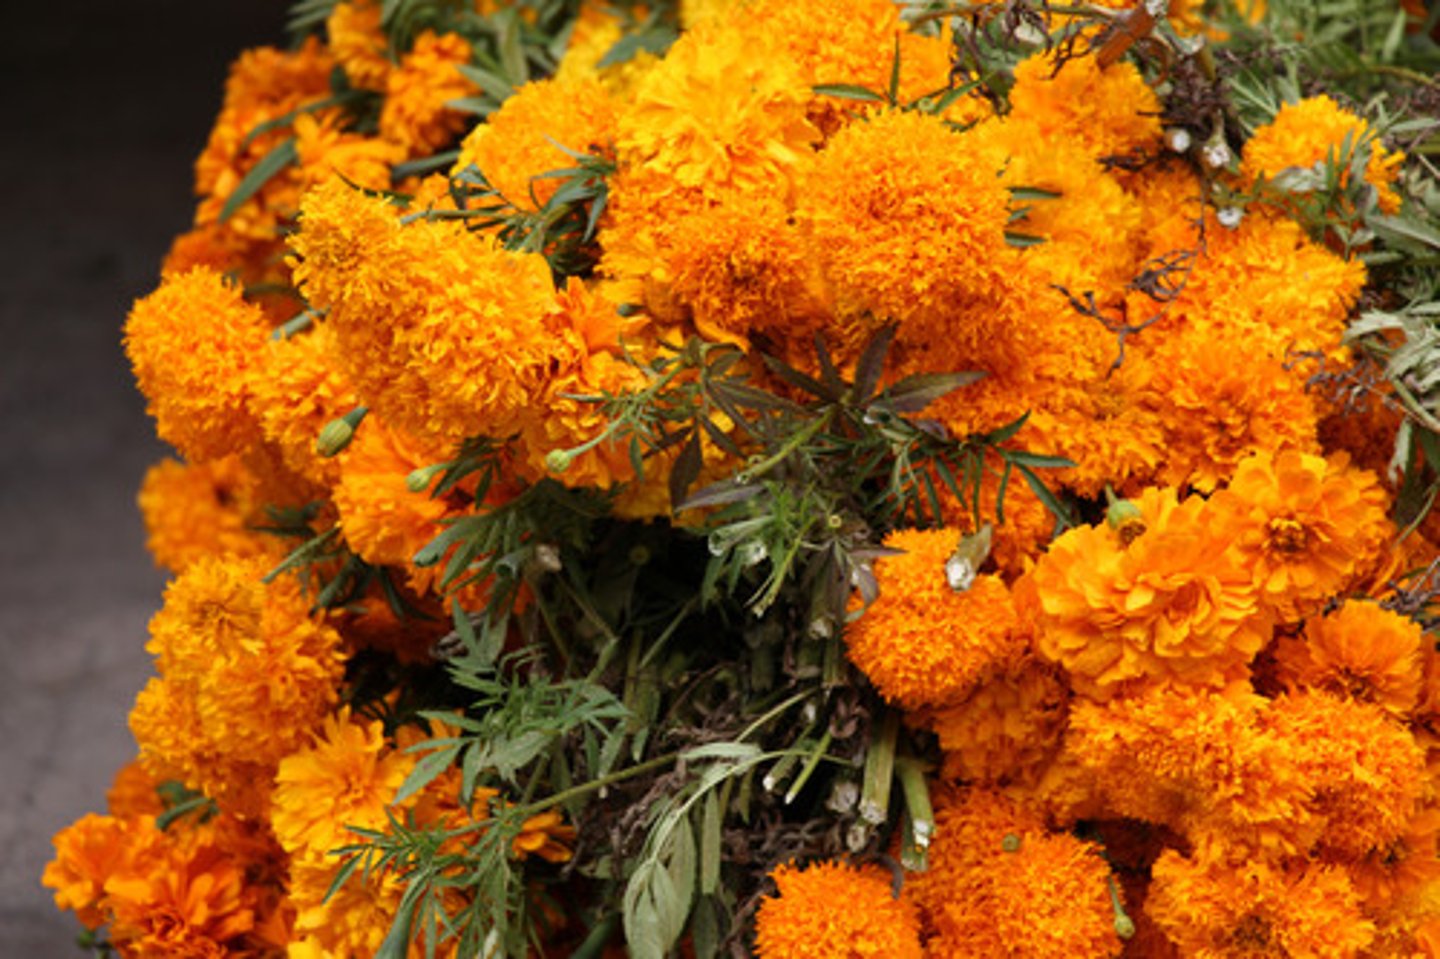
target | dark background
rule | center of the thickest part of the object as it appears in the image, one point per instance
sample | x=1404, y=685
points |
x=103, y=108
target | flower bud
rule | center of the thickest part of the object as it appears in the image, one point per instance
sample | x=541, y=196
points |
x=420, y=479
x=1124, y=517
x=337, y=434
x=558, y=461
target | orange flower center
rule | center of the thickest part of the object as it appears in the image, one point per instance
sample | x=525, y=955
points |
x=1288, y=536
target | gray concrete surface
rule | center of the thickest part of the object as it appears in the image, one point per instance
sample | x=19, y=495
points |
x=104, y=108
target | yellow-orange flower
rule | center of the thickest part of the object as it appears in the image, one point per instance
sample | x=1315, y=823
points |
x=442, y=332
x=830, y=910
x=923, y=642
x=531, y=132
x=346, y=777
x=87, y=853
x=1212, y=908
x=1000, y=883
x=1306, y=134
x=359, y=44
x=1360, y=651
x=1366, y=771
x=417, y=90
x=325, y=150
x=204, y=509
x=1305, y=525
x=718, y=114
x=245, y=674
x=192, y=343
x=1113, y=111
x=1007, y=726
x=907, y=220
x=1175, y=603
x=1200, y=762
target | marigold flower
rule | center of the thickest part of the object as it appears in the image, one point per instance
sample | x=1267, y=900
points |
x=325, y=150
x=87, y=853
x=354, y=920
x=1313, y=131
x=417, y=90
x=382, y=519
x=531, y=132
x=1173, y=604
x=1366, y=771
x=598, y=27
x=1305, y=524
x=1216, y=413
x=1209, y=907
x=192, y=343
x=717, y=114
x=442, y=332
x=922, y=642
x=830, y=910
x=1200, y=762
x=1112, y=111
x=1360, y=651
x=1005, y=728
x=1000, y=883
x=1397, y=877
x=133, y=792
x=245, y=674
x=907, y=219
x=192, y=511
x=347, y=777
x=359, y=44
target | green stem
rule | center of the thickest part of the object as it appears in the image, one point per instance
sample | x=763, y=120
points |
x=565, y=795
x=791, y=445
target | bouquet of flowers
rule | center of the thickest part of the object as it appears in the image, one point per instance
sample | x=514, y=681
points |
x=850, y=479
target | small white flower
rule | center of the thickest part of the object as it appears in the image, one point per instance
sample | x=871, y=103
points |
x=1230, y=216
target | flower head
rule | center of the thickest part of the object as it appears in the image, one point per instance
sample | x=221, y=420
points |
x=1360, y=651
x=418, y=89
x=830, y=910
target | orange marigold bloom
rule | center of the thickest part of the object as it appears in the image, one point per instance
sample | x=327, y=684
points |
x=718, y=114
x=325, y=150
x=596, y=30
x=192, y=511
x=296, y=389
x=133, y=792
x=1112, y=111
x=415, y=114
x=1306, y=525
x=87, y=853
x=381, y=518
x=346, y=777
x=1366, y=771
x=1360, y=651
x=1219, y=910
x=831, y=910
x=923, y=642
x=1173, y=604
x=531, y=132
x=192, y=343
x=1304, y=135
x=245, y=674
x=1200, y=762
x=264, y=84
x=1000, y=883
x=1216, y=412
x=1007, y=727
x=907, y=219
x=442, y=332
x=189, y=903
x=1404, y=874
x=359, y=44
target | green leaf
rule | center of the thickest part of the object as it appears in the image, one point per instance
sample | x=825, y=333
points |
x=894, y=91
x=1044, y=494
x=1028, y=193
x=1022, y=240
x=686, y=468
x=848, y=91
x=917, y=391
x=1394, y=227
x=656, y=39
x=427, y=769
x=710, y=845
x=737, y=752
x=871, y=364
x=1036, y=460
x=512, y=54
x=492, y=84
x=282, y=155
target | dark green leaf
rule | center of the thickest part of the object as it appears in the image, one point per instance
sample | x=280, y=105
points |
x=282, y=155
x=492, y=84
x=798, y=379
x=1015, y=238
x=686, y=468
x=917, y=391
x=718, y=494
x=657, y=39
x=849, y=91
x=872, y=364
x=1044, y=494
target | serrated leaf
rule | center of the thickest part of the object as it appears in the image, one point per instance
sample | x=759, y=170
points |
x=426, y=770
x=282, y=155
x=848, y=91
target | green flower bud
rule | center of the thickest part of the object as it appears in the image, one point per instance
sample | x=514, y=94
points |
x=558, y=461
x=337, y=434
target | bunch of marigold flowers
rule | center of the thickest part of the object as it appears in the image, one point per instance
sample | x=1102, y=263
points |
x=842, y=480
